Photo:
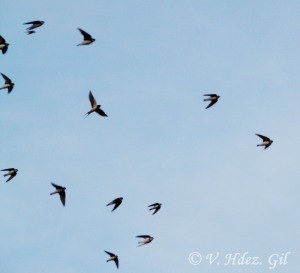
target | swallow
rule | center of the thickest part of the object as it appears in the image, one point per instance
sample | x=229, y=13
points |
x=61, y=191
x=87, y=38
x=12, y=172
x=155, y=206
x=95, y=107
x=113, y=257
x=147, y=239
x=34, y=24
x=30, y=32
x=8, y=83
x=3, y=45
x=213, y=98
x=266, y=141
x=117, y=202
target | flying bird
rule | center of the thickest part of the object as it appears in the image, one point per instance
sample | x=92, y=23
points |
x=34, y=24
x=113, y=257
x=87, y=38
x=117, y=202
x=95, y=107
x=8, y=83
x=3, y=45
x=147, y=239
x=155, y=206
x=213, y=98
x=12, y=172
x=266, y=141
x=61, y=191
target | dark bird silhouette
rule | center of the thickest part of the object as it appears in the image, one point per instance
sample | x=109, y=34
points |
x=113, y=257
x=61, y=191
x=155, y=206
x=9, y=85
x=12, y=172
x=87, y=38
x=147, y=239
x=213, y=98
x=3, y=45
x=266, y=141
x=95, y=107
x=34, y=24
x=117, y=202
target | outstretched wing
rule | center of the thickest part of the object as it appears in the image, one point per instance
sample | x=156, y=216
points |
x=264, y=138
x=101, y=112
x=57, y=186
x=117, y=262
x=62, y=196
x=92, y=99
x=211, y=95
x=109, y=253
x=86, y=36
x=2, y=40
x=155, y=204
x=143, y=236
x=8, y=169
x=211, y=104
x=7, y=79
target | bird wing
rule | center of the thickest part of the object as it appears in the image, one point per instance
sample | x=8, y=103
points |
x=62, y=196
x=32, y=22
x=2, y=40
x=86, y=36
x=11, y=177
x=117, y=203
x=4, y=49
x=8, y=169
x=7, y=79
x=264, y=138
x=156, y=210
x=155, y=204
x=211, y=95
x=92, y=99
x=143, y=236
x=109, y=253
x=101, y=112
x=117, y=262
x=211, y=104
x=56, y=186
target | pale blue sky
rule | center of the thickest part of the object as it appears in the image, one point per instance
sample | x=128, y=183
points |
x=149, y=68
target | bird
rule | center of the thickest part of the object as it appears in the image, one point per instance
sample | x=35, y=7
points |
x=34, y=24
x=8, y=83
x=113, y=257
x=266, y=141
x=3, y=45
x=213, y=98
x=61, y=191
x=117, y=202
x=155, y=206
x=30, y=32
x=12, y=172
x=147, y=239
x=87, y=38
x=95, y=107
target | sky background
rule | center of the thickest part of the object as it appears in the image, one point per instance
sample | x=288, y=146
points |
x=149, y=68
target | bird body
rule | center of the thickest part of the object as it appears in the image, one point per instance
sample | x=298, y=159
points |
x=34, y=24
x=156, y=207
x=87, y=38
x=61, y=191
x=266, y=141
x=213, y=98
x=3, y=45
x=95, y=108
x=147, y=239
x=117, y=202
x=9, y=85
x=12, y=172
x=113, y=257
